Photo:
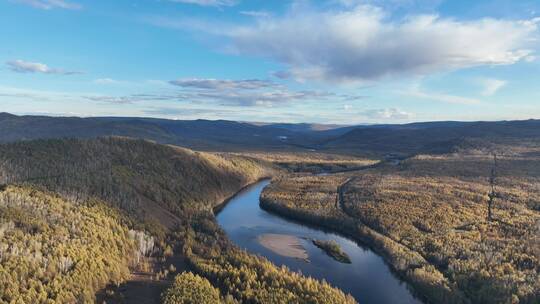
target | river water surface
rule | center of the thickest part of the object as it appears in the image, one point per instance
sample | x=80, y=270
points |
x=368, y=279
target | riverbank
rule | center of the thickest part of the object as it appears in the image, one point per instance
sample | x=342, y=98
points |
x=425, y=280
x=368, y=278
x=223, y=202
x=428, y=218
x=237, y=273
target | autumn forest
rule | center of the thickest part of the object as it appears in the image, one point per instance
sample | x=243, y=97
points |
x=117, y=219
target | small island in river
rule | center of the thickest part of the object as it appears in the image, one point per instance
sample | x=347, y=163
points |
x=333, y=249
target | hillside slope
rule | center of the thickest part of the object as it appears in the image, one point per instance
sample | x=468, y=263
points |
x=53, y=250
x=198, y=134
x=151, y=182
x=165, y=192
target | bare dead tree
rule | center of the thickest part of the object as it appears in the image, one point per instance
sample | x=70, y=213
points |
x=493, y=193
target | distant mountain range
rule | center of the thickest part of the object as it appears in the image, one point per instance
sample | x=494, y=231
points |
x=434, y=137
x=200, y=134
x=223, y=135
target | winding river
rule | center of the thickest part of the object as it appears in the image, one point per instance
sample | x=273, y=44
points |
x=368, y=279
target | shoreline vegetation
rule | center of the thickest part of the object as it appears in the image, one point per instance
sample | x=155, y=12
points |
x=333, y=249
x=217, y=208
x=401, y=260
x=427, y=218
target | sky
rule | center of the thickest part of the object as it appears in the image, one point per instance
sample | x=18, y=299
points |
x=334, y=61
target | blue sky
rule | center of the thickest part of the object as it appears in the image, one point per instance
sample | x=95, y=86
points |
x=335, y=61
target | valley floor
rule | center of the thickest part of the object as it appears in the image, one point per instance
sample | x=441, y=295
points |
x=428, y=218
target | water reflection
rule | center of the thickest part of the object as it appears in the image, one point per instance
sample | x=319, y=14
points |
x=368, y=278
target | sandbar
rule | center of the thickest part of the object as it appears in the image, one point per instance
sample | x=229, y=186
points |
x=284, y=245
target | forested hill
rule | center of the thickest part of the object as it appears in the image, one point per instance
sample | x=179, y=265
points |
x=77, y=215
x=149, y=181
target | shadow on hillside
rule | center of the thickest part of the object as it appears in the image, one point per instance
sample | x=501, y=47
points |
x=142, y=288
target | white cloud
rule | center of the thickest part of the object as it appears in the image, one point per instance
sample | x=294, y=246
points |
x=106, y=81
x=409, y=5
x=492, y=86
x=211, y=93
x=28, y=67
x=111, y=81
x=247, y=84
x=439, y=97
x=113, y=99
x=50, y=4
x=362, y=43
x=256, y=14
x=265, y=98
x=386, y=114
x=21, y=66
x=218, y=97
x=208, y=2
x=249, y=92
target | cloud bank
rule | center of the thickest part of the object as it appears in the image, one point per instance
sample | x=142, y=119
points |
x=363, y=43
x=219, y=84
x=248, y=92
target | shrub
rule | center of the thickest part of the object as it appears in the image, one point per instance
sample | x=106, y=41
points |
x=191, y=289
